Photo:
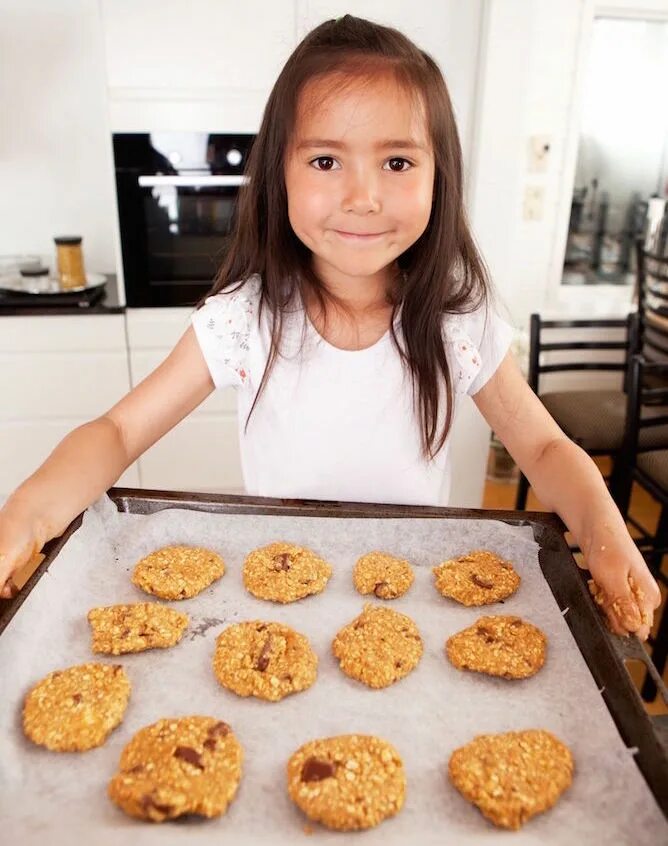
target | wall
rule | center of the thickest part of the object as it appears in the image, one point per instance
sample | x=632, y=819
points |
x=55, y=148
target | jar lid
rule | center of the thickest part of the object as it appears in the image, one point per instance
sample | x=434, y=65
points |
x=34, y=271
x=67, y=239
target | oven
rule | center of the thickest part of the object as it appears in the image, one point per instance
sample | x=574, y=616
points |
x=177, y=194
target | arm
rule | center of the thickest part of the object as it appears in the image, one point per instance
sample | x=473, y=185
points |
x=92, y=457
x=567, y=481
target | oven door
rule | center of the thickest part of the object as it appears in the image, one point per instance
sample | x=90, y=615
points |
x=175, y=231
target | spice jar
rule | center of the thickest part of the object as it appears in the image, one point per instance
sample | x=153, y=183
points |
x=71, y=271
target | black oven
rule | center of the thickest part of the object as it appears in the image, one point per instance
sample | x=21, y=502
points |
x=177, y=194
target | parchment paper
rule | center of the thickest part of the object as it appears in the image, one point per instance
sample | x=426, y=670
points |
x=426, y=715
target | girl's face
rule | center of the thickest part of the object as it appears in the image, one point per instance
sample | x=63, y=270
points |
x=359, y=177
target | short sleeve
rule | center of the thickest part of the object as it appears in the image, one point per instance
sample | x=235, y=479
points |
x=476, y=343
x=223, y=327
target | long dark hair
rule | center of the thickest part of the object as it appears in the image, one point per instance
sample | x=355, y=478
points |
x=442, y=272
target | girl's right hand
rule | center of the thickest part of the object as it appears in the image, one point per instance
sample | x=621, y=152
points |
x=20, y=540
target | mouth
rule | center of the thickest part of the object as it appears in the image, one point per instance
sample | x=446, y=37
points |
x=361, y=237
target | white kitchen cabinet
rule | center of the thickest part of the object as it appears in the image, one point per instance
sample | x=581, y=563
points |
x=56, y=372
x=202, y=452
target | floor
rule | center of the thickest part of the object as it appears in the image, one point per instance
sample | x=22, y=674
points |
x=500, y=493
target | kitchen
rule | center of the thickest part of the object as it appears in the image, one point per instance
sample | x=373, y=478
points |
x=82, y=74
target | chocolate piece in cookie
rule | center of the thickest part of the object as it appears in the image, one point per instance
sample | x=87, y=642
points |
x=76, y=709
x=499, y=646
x=189, y=765
x=378, y=647
x=266, y=660
x=348, y=782
x=512, y=777
x=478, y=578
x=118, y=629
x=382, y=575
x=283, y=572
x=178, y=572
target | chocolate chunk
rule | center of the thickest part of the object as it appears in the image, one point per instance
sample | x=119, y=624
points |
x=488, y=634
x=76, y=697
x=480, y=582
x=138, y=768
x=315, y=769
x=210, y=743
x=379, y=587
x=263, y=658
x=220, y=729
x=118, y=668
x=192, y=756
x=282, y=561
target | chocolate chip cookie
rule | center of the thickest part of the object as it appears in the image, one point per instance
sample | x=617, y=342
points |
x=478, y=578
x=118, y=629
x=499, y=646
x=382, y=575
x=512, y=777
x=266, y=660
x=349, y=782
x=283, y=572
x=189, y=765
x=178, y=572
x=76, y=709
x=378, y=647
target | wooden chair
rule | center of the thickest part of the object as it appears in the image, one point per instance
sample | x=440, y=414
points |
x=594, y=419
x=647, y=410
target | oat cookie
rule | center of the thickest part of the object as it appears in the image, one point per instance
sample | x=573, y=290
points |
x=383, y=575
x=76, y=709
x=283, y=572
x=378, y=647
x=188, y=765
x=267, y=660
x=499, y=646
x=118, y=629
x=512, y=777
x=178, y=572
x=349, y=782
x=477, y=578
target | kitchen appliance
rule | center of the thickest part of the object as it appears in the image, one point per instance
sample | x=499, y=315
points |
x=177, y=195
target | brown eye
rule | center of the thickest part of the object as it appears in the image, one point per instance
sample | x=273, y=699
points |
x=397, y=165
x=324, y=162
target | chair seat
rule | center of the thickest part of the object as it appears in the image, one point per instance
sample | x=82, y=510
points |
x=593, y=419
x=655, y=465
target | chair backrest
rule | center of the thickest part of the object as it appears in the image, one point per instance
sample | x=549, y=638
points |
x=652, y=293
x=627, y=345
x=646, y=405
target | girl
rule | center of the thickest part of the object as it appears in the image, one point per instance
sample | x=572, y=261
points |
x=352, y=313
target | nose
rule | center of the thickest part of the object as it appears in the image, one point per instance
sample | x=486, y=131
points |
x=361, y=194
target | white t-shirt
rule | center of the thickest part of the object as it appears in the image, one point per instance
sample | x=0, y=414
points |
x=336, y=424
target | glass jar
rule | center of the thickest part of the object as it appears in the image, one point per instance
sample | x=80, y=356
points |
x=71, y=273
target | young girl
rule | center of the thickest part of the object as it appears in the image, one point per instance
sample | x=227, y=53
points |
x=352, y=314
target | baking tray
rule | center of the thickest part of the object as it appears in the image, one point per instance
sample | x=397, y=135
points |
x=604, y=654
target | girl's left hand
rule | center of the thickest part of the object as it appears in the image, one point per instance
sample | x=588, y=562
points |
x=623, y=587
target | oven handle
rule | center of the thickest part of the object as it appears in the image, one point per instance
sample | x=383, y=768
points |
x=192, y=181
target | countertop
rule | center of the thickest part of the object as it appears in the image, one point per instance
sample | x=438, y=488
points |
x=22, y=305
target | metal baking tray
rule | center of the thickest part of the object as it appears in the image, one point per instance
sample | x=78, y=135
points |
x=604, y=654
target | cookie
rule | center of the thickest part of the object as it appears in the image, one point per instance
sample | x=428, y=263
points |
x=266, y=660
x=379, y=647
x=349, y=782
x=512, y=777
x=188, y=765
x=76, y=709
x=118, y=629
x=283, y=572
x=383, y=575
x=499, y=646
x=178, y=572
x=478, y=578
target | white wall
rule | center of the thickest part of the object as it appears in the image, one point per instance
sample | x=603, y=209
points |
x=56, y=167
